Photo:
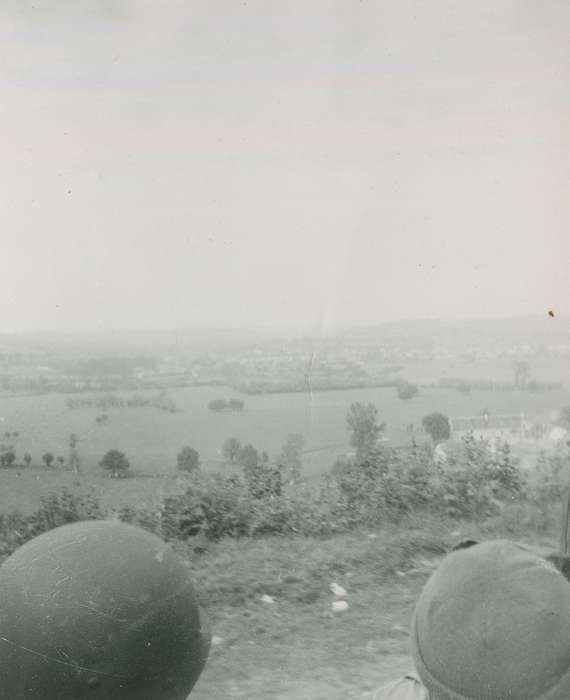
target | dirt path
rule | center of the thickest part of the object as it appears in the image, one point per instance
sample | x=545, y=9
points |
x=325, y=686
x=287, y=652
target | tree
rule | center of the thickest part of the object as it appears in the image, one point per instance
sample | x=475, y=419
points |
x=74, y=462
x=264, y=480
x=61, y=461
x=47, y=459
x=116, y=463
x=217, y=405
x=564, y=417
x=28, y=459
x=406, y=390
x=362, y=420
x=437, y=425
x=231, y=448
x=521, y=369
x=248, y=457
x=188, y=460
x=290, y=458
x=463, y=387
x=8, y=458
x=236, y=404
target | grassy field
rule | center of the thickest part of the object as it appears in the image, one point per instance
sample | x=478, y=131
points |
x=152, y=438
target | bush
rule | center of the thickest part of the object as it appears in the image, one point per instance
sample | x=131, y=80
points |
x=217, y=405
x=437, y=426
x=116, y=464
x=55, y=510
x=231, y=449
x=8, y=458
x=48, y=459
x=263, y=480
x=406, y=391
x=188, y=460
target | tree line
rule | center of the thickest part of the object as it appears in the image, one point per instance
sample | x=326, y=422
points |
x=160, y=401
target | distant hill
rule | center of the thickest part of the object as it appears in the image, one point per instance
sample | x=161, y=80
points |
x=420, y=334
x=479, y=332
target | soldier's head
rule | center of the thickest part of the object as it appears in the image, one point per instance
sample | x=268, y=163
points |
x=99, y=610
x=494, y=622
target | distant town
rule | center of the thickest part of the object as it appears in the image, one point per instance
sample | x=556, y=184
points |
x=361, y=358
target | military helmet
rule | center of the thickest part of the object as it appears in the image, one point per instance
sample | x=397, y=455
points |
x=99, y=610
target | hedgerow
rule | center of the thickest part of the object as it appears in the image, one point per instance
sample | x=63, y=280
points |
x=476, y=481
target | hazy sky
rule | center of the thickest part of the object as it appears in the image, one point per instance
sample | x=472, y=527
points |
x=207, y=162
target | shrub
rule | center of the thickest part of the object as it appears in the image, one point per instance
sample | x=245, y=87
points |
x=8, y=458
x=263, y=479
x=406, y=390
x=231, y=449
x=248, y=457
x=115, y=463
x=217, y=405
x=437, y=426
x=188, y=460
x=55, y=510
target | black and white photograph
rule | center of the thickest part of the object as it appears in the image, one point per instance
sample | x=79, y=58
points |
x=284, y=350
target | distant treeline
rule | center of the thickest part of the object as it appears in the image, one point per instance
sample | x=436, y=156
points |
x=290, y=387
x=466, y=385
x=108, y=366
x=223, y=405
x=160, y=401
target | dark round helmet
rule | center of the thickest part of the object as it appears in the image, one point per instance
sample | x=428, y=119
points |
x=99, y=610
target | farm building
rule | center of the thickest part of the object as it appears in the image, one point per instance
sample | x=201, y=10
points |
x=488, y=427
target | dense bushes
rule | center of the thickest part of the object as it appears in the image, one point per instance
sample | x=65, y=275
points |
x=55, y=510
x=473, y=482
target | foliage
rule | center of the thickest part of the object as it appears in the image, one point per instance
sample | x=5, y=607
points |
x=48, y=459
x=387, y=486
x=223, y=405
x=248, y=457
x=8, y=458
x=406, y=390
x=161, y=401
x=362, y=421
x=290, y=458
x=564, y=417
x=115, y=463
x=550, y=477
x=217, y=405
x=437, y=425
x=264, y=480
x=231, y=449
x=55, y=510
x=188, y=459
x=521, y=369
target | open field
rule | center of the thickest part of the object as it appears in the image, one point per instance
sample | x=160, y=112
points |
x=151, y=438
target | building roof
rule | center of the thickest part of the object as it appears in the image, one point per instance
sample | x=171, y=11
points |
x=465, y=424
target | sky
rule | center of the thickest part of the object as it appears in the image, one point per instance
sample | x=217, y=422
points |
x=263, y=163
